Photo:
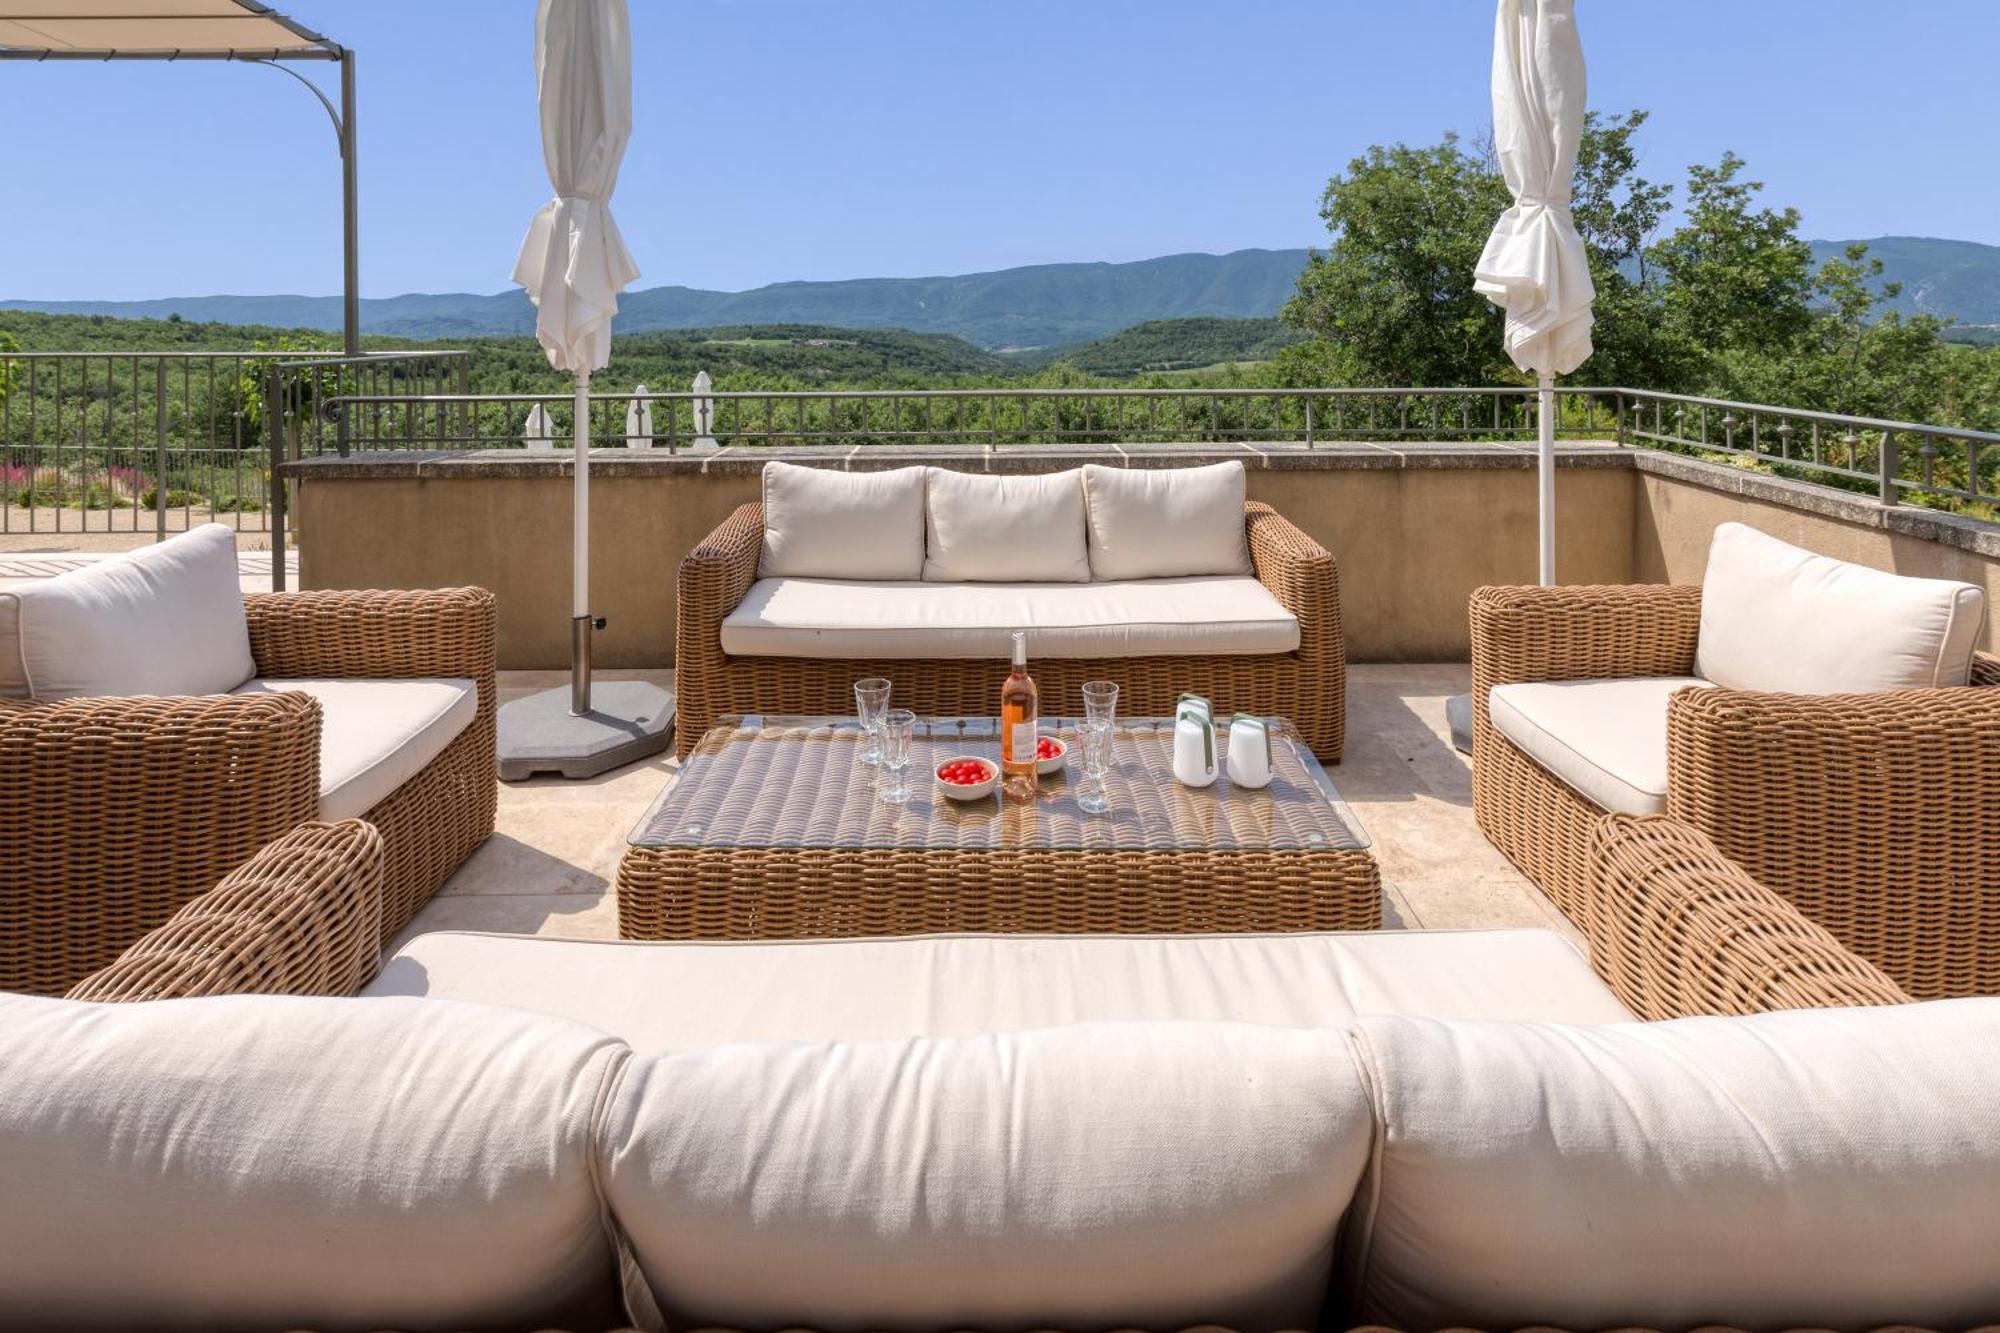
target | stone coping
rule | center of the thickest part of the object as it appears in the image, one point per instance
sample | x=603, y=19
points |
x=1025, y=458
x=612, y=463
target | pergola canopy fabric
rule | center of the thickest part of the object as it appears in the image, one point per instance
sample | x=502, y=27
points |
x=74, y=28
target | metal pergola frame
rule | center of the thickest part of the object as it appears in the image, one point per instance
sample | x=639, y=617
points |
x=318, y=47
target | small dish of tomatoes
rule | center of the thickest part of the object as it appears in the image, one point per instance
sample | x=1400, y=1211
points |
x=967, y=777
x=1051, y=753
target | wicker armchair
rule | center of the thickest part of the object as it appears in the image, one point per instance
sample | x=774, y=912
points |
x=1308, y=686
x=1877, y=815
x=121, y=810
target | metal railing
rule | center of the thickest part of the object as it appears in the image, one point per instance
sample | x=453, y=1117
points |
x=156, y=442
x=1899, y=462
x=987, y=418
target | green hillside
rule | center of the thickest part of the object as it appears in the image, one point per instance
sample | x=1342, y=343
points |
x=1045, y=305
x=743, y=357
x=1177, y=344
x=1958, y=280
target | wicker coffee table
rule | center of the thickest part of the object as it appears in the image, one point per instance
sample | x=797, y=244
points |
x=774, y=831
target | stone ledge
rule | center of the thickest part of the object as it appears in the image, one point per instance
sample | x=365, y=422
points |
x=1275, y=455
x=1967, y=534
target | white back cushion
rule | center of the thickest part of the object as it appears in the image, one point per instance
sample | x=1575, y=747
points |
x=1162, y=523
x=819, y=523
x=1005, y=529
x=266, y=1162
x=1820, y=1168
x=1151, y=1175
x=1775, y=617
x=164, y=619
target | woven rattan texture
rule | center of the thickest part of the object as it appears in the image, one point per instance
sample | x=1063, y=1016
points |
x=1877, y=815
x=432, y=822
x=1308, y=686
x=1575, y=633
x=1677, y=929
x=302, y=917
x=768, y=836
x=758, y=786
x=119, y=811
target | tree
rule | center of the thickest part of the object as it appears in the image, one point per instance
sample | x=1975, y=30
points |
x=1727, y=304
x=1393, y=293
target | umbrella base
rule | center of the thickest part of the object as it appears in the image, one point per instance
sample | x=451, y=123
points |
x=628, y=720
x=1458, y=715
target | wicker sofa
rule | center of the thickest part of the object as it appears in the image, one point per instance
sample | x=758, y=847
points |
x=1790, y=709
x=1832, y=1165
x=1164, y=580
x=134, y=782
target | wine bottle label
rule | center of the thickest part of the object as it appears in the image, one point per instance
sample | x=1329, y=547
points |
x=1021, y=741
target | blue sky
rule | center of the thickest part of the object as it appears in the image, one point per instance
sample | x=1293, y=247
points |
x=781, y=139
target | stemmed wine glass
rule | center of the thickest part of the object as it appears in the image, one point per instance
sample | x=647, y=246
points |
x=898, y=729
x=871, y=700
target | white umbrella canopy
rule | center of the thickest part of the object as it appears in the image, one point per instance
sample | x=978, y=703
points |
x=639, y=421
x=1534, y=264
x=573, y=262
x=536, y=431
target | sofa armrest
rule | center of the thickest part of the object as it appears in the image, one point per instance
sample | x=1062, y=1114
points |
x=119, y=810
x=1677, y=929
x=1876, y=815
x=1302, y=575
x=713, y=579
x=301, y=917
x=343, y=634
x=1985, y=669
x=1581, y=633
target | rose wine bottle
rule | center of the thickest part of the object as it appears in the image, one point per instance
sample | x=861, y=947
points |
x=1019, y=707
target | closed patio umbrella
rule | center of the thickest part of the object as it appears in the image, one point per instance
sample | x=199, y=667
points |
x=1534, y=264
x=574, y=263
x=639, y=421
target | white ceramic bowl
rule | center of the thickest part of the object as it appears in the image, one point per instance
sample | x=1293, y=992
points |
x=1045, y=767
x=968, y=791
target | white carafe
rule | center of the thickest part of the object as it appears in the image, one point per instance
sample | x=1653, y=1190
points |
x=1196, y=762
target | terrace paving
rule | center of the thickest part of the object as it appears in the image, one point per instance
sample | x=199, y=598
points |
x=551, y=863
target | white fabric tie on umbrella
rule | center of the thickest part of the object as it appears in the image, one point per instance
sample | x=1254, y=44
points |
x=573, y=261
x=639, y=421
x=1534, y=264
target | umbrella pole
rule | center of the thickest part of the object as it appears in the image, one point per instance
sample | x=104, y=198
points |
x=1546, y=477
x=579, y=624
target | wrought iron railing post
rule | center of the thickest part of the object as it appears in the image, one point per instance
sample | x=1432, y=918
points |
x=159, y=448
x=274, y=428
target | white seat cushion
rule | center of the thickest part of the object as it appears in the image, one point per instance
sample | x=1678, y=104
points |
x=271, y=1162
x=375, y=735
x=1775, y=617
x=1833, y=1168
x=1006, y=528
x=1134, y=1175
x=164, y=619
x=1605, y=738
x=1162, y=523
x=890, y=621
x=678, y=996
x=822, y=523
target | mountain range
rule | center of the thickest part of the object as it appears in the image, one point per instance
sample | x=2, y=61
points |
x=1044, y=305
